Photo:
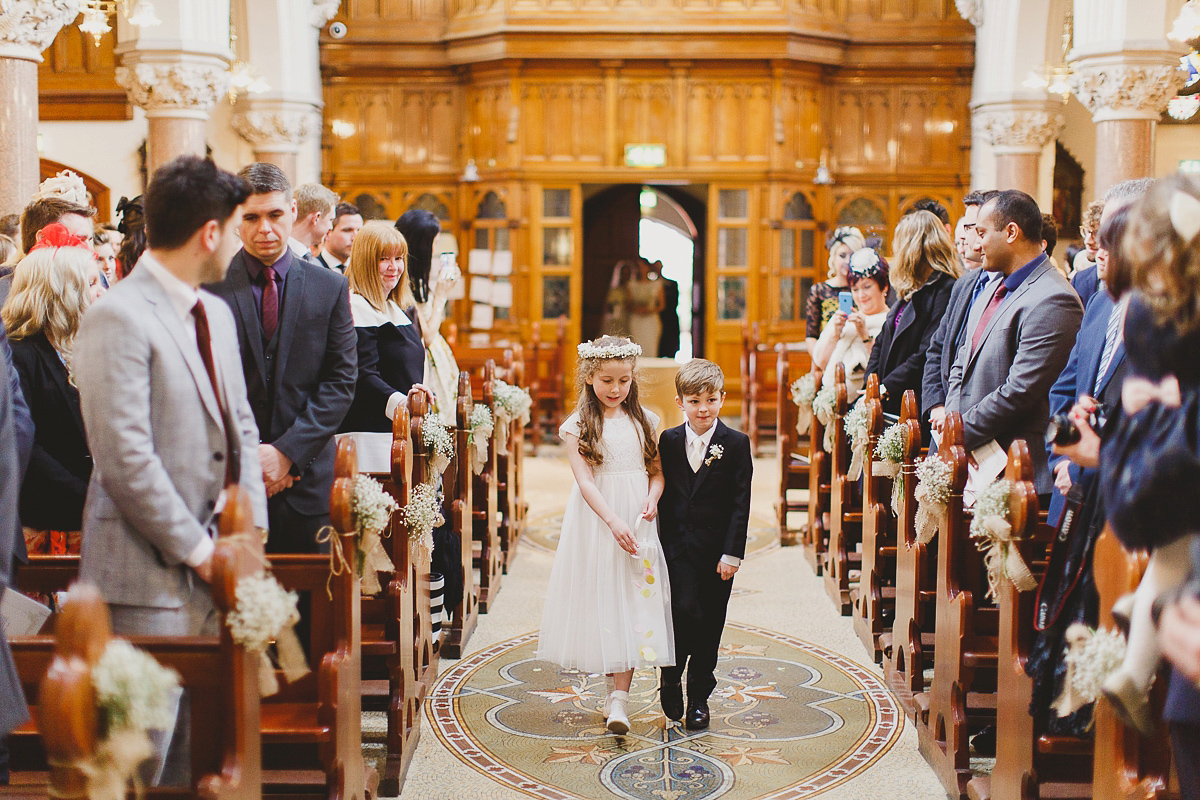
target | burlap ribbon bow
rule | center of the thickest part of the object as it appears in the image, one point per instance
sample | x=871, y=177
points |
x=480, y=436
x=804, y=415
x=1002, y=556
x=369, y=555
x=887, y=469
x=929, y=514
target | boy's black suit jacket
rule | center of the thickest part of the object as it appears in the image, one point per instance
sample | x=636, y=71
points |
x=703, y=515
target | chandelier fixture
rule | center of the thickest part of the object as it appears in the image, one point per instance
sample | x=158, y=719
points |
x=139, y=13
x=1186, y=29
x=1057, y=79
x=243, y=78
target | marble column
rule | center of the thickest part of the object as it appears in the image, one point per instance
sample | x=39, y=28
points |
x=1126, y=93
x=276, y=131
x=1018, y=132
x=27, y=27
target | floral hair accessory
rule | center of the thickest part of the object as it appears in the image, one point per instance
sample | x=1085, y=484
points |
x=56, y=235
x=627, y=349
x=1184, y=211
x=841, y=234
x=66, y=185
x=866, y=263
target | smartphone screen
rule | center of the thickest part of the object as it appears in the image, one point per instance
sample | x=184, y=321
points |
x=845, y=302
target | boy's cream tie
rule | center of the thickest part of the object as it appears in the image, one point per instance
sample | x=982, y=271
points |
x=696, y=453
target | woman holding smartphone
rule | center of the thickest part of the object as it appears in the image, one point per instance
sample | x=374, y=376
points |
x=850, y=333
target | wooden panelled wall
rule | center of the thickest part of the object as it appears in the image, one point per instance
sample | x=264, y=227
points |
x=890, y=121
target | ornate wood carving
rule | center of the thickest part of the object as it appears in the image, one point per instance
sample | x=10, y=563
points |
x=77, y=79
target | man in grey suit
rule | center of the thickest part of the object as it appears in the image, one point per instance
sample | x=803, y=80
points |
x=164, y=404
x=299, y=358
x=1018, y=334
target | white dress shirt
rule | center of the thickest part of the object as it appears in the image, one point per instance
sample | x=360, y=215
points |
x=705, y=440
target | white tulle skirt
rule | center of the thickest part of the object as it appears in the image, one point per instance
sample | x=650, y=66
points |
x=607, y=611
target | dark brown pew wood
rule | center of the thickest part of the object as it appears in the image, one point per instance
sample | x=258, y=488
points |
x=791, y=447
x=815, y=536
x=845, y=506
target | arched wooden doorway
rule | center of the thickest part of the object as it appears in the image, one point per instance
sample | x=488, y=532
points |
x=98, y=193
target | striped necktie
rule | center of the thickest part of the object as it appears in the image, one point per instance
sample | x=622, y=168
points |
x=1111, y=336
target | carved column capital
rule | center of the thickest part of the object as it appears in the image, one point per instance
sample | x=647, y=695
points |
x=175, y=88
x=27, y=27
x=275, y=130
x=970, y=10
x=1016, y=128
x=1115, y=89
x=323, y=11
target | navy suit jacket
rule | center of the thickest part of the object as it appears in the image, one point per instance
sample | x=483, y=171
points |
x=315, y=370
x=1086, y=283
x=1079, y=378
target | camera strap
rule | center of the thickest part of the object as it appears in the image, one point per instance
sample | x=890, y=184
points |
x=1051, y=598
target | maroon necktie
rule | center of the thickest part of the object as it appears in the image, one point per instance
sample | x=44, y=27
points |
x=988, y=313
x=204, y=344
x=270, y=303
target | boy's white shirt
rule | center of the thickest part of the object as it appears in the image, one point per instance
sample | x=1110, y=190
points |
x=706, y=437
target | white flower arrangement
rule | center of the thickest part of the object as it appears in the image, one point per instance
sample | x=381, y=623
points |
x=482, y=426
x=436, y=436
x=371, y=505
x=804, y=389
x=372, y=509
x=991, y=502
x=932, y=494
x=133, y=691
x=266, y=612
x=421, y=515
x=512, y=403
x=992, y=531
x=855, y=425
x=824, y=405
x=1101, y=653
x=66, y=185
x=891, y=445
x=627, y=349
x=714, y=454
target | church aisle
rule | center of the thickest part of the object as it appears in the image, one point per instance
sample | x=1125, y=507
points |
x=799, y=709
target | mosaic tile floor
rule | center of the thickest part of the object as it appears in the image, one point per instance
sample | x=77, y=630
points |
x=799, y=710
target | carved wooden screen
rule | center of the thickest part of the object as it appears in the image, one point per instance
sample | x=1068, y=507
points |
x=733, y=258
x=556, y=240
x=797, y=266
x=490, y=234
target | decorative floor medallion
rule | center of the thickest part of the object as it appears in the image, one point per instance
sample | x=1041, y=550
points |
x=542, y=533
x=789, y=720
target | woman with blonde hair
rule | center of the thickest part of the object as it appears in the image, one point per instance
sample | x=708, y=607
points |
x=823, y=299
x=52, y=288
x=391, y=352
x=924, y=268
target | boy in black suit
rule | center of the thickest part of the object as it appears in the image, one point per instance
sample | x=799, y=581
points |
x=703, y=514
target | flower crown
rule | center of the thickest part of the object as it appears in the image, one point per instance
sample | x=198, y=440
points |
x=626, y=349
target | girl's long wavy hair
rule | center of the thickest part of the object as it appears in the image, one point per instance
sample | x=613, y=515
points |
x=921, y=246
x=591, y=410
x=50, y=294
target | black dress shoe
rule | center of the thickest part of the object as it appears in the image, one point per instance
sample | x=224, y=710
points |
x=670, y=695
x=984, y=742
x=697, y=716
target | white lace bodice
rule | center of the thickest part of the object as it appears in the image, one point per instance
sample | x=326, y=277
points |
x=622, y=442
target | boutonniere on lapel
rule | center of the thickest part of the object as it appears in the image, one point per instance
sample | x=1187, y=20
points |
x=714, y=454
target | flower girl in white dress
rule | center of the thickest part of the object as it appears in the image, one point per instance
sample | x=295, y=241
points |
x=608, y=602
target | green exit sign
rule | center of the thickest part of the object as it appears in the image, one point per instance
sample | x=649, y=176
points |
x=645, y=155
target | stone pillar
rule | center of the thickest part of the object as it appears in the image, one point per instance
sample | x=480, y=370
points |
x=27, y=27
x=1126, y=93
x=177, y=72
x=280, y=39
x=1018, y=132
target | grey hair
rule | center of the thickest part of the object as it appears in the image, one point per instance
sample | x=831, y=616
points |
x=1128, y=191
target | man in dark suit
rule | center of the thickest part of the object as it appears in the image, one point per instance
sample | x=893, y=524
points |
x=346, y=223
x=703, y=515
x=298, y=352
x=668, y=341
x=948, y=336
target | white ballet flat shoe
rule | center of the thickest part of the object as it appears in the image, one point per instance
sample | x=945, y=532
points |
x=618, y=719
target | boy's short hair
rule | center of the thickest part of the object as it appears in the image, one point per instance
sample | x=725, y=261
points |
x=699, y=376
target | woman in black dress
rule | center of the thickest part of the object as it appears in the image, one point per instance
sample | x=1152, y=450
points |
x=823, y=298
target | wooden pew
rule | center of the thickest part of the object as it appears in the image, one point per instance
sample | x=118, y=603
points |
x=908, y=647
x=874, y=601
x=1125, y=765
x=463, y=499
x=845, y=506
x=544, y=370
x=318, y=719
x=815, y=534
x=1029, y=765
x=220, y=676
x=962, y=693
x=488, y=558
x=791, y=448
x=760, y=399
x=509, y=460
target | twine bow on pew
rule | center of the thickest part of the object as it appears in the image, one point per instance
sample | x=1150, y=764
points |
x=932, y=495
x=804, y=389
x=110, y=770
x=823, y=407
x=856, y=429
x=482, y=427
x=889, y=451
x=993, y=535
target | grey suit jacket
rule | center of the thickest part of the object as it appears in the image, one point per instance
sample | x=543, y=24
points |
x=1002, y=388
x=154, y=429
x=940, y=356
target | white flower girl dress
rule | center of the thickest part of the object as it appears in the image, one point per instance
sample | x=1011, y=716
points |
x=607, y=611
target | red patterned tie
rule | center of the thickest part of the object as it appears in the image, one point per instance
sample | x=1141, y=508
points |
x=270, y=304
x=204, y=344
x=988, y=313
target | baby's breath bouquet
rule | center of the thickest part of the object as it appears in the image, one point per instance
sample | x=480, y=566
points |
x=373, y=509
x=436, y=436
x=804, y=389
x=265, y=613
x=889, y=455
x=855, y=423
x=824, y=404
x=993, y=534
x=482, y=427
x=512, y=403
x=422, y=514
x=1092, y=655
x=932, y=495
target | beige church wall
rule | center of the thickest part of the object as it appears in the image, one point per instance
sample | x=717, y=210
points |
x=1175, y=143
x=107, y=151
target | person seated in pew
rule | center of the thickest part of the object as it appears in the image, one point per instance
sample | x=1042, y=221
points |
x=391, y=352
x=849, y=335
x=822, y=300
x=52, y=288
x=924, y=275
